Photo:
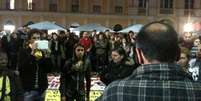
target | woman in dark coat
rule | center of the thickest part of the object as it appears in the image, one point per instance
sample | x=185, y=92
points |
x=75, y=71
x=119, y=67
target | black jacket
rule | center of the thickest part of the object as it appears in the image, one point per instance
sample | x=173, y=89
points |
x=116, y=71
x=73, y=80
x=29, y=67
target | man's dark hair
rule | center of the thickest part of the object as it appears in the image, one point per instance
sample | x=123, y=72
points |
x=158, y=41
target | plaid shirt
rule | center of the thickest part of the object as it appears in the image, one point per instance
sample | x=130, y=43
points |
x=154, y=82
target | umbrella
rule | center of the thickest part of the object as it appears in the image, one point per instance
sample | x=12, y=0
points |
x=46, y=26
x=91, y=27
x=135, y=28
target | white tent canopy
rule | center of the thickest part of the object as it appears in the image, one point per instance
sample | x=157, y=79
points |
x=135, y=28
x=46, y=25
x=91, y=27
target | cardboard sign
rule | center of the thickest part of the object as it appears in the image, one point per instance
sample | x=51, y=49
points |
x=53, y=95
x=97, y=88
x=53, y=80
x=94, y=94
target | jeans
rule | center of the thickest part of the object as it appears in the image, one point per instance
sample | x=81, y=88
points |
x=32, y=96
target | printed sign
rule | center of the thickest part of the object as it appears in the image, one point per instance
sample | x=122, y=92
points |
x=53, y=95
x=97, y=88
x=95, y=94
x=53, y=80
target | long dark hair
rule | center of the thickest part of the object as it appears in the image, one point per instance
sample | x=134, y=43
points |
x=121, y=51
x=74, y=54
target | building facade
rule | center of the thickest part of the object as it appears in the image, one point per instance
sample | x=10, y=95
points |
x=106, y=12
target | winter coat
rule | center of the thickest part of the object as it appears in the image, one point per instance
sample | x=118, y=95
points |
x=72, y=78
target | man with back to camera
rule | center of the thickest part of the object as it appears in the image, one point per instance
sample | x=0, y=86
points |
x=158, y=78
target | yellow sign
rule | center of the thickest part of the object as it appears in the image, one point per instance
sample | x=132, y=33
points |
x=53, y=95
x=94, y=94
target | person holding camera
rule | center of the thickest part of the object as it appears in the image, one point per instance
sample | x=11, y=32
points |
x=76, y=70
x=33, y=68
x=158, y=78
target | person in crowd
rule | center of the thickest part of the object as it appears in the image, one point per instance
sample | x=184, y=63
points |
x=107, y=34
x=62, y=36
x=118, y=68
x=187, y=40
x=118, y=40
x=111, y=43
x=55, y=53
x=69, y=44
x=75, y=72
x=184, y=58
x=12, y=50
x=33, y=68
x=86, y=41
x=195, y=47
x=44, y=35
x=101, y=48
x=195, y=65
x=11, y=89
x=131, y=37
x=94, y=34
x=158, y=78
x=128, y=46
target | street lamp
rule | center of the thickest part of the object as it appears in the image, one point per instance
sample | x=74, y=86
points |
x=188, y=27
x=9, y=28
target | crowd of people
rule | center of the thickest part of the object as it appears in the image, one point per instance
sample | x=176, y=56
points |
x=154, y=64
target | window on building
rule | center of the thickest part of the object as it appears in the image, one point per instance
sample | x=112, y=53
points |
x=131, y=3
x=10, y=4
x=75, y=6
x=30, y=5
x=53, y=5
x=166, y=7
x=97, y=6
x=166, y=4
x=118, y=6
x=118, y=9
x=142, y=3
x=142, y=7
x=189, y=4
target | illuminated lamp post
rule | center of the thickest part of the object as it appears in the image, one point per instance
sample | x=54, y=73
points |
x=9, y=28
x=188, y=27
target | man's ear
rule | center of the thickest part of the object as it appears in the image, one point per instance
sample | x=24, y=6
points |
x=139, y=55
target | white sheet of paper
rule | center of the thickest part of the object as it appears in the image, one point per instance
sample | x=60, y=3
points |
x=42, y=44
